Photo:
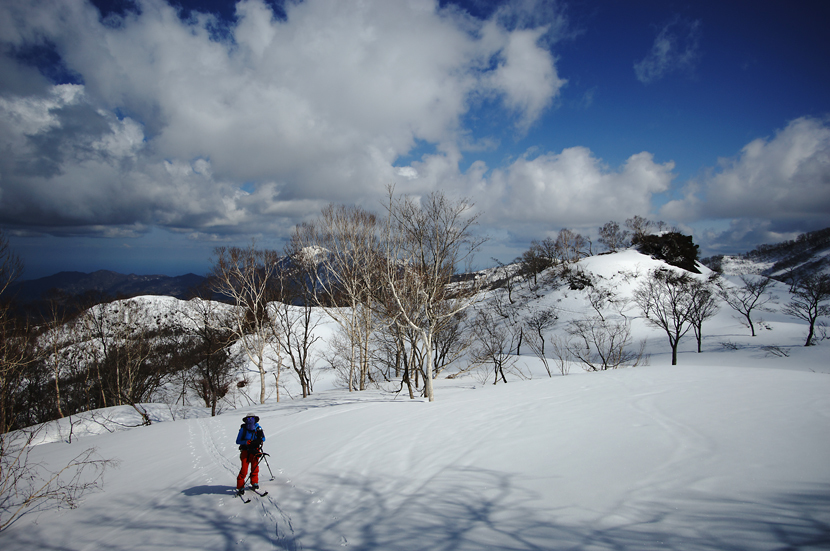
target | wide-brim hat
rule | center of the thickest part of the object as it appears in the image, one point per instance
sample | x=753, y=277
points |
x=256, y=417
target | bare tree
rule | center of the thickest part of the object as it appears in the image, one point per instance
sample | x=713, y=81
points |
x=400, y=349
x=572, y=246
x=561, y=353
x=25, y=483
x=612, y=236
x=298, y=323
x=704, y=305
x=665, y=298
x=213, y=354
x=506, y=278
x=399, y=342
x=604, y=343
x=342, y=252
x=535, y=260
x=600, y=297
x=425, y=243
x=16, y=340
x=809, y=294
x=95, y=324
x=493, y=344
x=547, y=250
x=509, y=310
x=751, y=296
x=246, y=276
x=450, y=343
x=538, y=324
x=640, y=227
x=62, y=352
x=53, y=341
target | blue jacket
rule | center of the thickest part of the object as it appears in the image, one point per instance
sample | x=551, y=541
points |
x=245, y=435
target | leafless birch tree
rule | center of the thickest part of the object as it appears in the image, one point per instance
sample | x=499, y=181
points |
x=426, y=241
x=342, y=253
x=572, y=246
x=297, y=321
x=247, y=276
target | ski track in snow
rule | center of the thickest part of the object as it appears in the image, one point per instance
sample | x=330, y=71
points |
x=668, y=478
x=264, y=515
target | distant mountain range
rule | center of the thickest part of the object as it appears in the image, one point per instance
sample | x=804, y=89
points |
x=106, y=283
x=809, y=253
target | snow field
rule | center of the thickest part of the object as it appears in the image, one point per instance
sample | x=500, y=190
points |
x=684, y=457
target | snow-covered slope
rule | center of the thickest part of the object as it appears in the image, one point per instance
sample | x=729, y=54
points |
x=727, y=450
x=808, y=254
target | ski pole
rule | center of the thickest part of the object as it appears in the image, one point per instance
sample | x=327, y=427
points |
x=265, y=457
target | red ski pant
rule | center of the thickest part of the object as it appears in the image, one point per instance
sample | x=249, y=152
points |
x=248, y=458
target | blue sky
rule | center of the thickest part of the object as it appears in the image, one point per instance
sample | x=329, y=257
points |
x=136, y=136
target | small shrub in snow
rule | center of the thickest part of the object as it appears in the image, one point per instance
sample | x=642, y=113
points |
x=776, y=351
x=729, y=345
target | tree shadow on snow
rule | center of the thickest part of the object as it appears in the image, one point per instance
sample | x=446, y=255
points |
x=474, y=509
x=458, y=509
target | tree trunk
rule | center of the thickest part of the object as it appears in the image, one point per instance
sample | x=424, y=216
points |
x=261, y=383
x=519, y=346
x=810, y=334
x=699, y=336
x=430, y=394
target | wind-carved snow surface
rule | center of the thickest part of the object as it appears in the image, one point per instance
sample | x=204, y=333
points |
x=726, y=451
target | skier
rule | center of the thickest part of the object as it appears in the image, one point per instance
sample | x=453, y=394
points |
x=249, y=439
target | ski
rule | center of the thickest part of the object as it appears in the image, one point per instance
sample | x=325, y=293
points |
x=242, y=497
x=260, y=494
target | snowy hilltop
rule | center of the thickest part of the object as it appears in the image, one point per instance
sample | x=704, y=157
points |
x=521, y=449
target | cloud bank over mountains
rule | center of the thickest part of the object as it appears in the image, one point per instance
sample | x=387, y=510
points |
x=110, y=126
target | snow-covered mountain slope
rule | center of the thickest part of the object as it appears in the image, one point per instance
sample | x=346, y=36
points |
x=727, y=450
x=810, y=253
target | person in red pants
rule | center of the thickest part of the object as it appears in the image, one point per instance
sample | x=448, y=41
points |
x=249, y=439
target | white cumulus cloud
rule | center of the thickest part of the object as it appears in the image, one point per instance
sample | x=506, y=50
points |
x=574, y=188
x=784, y=177
x=172, y=123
